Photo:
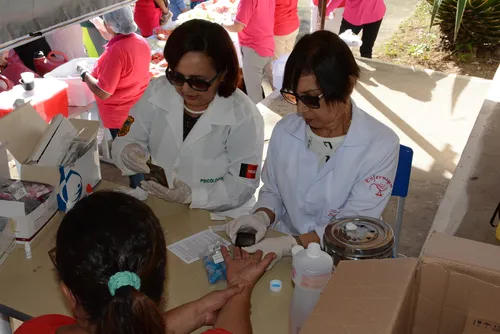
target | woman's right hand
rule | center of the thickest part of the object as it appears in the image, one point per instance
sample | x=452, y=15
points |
x=245, y=269
x=134, y=157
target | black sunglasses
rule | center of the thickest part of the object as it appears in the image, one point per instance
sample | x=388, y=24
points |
x=200, y=85
x=308, y=100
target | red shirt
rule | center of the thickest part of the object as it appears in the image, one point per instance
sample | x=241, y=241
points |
x=286, y=17
x=258, y=18
x=49, y=324
x=122, y=71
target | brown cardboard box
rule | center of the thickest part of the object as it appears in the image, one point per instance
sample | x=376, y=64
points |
x=476, y=325
x=432, y=295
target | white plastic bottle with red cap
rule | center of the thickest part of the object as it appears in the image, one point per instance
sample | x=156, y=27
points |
x=311, y=270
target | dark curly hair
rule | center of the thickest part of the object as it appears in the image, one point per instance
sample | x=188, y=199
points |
x=105, y=233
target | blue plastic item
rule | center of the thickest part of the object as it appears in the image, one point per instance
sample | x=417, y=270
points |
x=400, y=190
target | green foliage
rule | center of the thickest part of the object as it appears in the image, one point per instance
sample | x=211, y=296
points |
x=468, y=21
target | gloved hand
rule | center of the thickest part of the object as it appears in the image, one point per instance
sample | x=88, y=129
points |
x=259, y=221
x=180, y=194
x=134, y=157
x=281, y=246
x=81, y=67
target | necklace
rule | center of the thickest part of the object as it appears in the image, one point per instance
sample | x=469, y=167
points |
x=194, y=112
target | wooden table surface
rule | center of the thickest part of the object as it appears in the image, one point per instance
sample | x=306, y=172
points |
x=31, y=286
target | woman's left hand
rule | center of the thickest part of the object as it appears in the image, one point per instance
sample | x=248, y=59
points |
x=202, y=312
x=209, y=306
x=180, y=194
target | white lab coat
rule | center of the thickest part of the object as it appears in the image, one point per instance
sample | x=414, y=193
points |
x=357, y=180
x=227, y=137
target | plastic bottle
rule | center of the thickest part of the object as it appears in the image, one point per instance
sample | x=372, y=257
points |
x=311, y=271
x=44, y=64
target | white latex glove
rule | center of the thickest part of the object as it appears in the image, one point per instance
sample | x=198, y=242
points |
x=281, y=246
x=134, y=157
x=180, y=194
x=259, y=221
x=81, y=67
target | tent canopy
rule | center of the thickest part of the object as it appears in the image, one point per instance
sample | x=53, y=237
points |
x=22, y=21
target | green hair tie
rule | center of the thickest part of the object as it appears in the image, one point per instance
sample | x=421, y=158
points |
x=121, y=279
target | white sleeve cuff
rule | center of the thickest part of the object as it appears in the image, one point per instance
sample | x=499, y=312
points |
x=199, y=197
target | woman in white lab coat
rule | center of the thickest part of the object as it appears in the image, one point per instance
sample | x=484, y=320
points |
x=330, y=159
x=195, y=124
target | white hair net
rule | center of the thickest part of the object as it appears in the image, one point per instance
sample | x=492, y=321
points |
x=121, y=21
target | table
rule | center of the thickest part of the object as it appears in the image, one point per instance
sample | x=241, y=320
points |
x=31, y=286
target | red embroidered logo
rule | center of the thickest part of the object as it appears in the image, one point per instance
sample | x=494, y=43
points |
x=378, y=184
x=333, y=212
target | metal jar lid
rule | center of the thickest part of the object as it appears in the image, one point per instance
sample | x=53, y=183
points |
x=358, y=238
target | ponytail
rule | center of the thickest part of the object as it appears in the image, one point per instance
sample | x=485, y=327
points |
x=131, y=312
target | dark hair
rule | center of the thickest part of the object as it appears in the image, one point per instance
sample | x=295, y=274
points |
x=103, y=234
x=328, y=57
x=211, y=39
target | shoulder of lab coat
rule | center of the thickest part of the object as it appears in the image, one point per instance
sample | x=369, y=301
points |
x=244, y=146
x=378, y=171
x=143, y=114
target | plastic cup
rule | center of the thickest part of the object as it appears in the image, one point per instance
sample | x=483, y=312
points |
x=28, y=77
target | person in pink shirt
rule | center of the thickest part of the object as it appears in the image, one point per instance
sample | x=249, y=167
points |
x=121, y=74
x=286, y=26
x=360, y=15
x=254, y=24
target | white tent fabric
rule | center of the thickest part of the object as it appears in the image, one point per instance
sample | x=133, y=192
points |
x=24, y=20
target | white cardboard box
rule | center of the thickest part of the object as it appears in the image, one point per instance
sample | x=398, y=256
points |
x=27, y=226
x=21, y=131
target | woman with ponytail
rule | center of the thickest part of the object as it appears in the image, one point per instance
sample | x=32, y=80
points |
x=111, y=258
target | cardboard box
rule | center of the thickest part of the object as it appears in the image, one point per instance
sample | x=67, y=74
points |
x=27, y=225
x=476, y=325
x=23, y=129
x=435, y=294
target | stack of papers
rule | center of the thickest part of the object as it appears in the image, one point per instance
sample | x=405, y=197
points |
x=193, y=248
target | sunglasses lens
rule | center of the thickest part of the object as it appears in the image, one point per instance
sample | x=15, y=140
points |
x=175, y=78
x=310, y=101
x=198, y=84
x=290, y=98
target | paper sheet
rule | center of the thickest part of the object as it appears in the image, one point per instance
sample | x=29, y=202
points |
x=192, y=248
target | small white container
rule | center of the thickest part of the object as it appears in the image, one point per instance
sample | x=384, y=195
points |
x=79, y=95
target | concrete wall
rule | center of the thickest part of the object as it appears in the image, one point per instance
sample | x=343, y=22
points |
x=474, y=190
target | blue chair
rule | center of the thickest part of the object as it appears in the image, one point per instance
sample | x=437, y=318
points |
x=400, y=190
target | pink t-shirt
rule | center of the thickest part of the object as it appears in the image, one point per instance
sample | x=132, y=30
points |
x=122, y=71
x=258, y=18
x=286, y=17
x=359, y=12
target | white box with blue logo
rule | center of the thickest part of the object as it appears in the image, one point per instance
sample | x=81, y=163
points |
x=24, y=132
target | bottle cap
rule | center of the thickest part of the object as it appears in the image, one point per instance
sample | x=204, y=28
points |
x=275, y=285
x=351, y=227
x=313, y=250
x=296, y=249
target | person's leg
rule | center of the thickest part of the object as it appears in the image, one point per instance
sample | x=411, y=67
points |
x=279, y=46
x=346, y=26
x=253, y=72
x=370, y=32
x=114, y=133
x=290, y=41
